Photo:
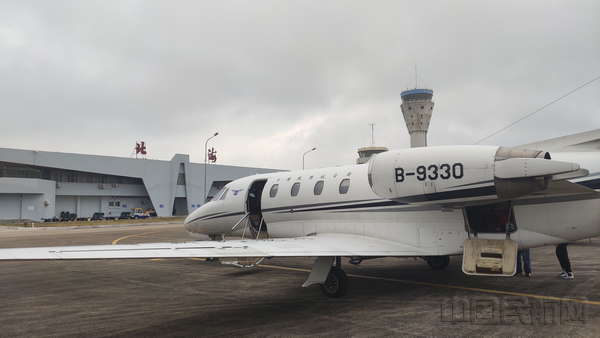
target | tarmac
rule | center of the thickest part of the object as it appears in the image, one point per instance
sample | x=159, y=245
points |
x=192, y=298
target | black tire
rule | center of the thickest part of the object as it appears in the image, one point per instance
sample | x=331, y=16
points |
x=336, y=284
x=355, y=261
x=438, y=262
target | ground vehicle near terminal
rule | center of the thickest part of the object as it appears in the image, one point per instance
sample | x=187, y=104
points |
x=135, y=213
x=138, y=213
x=65, y=216
x=125, y=215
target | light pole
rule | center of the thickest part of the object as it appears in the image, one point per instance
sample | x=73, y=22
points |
x=205, y=157
x=305, y=155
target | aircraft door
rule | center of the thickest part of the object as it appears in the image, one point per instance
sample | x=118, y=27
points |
x=490, y=218
x=258, y=227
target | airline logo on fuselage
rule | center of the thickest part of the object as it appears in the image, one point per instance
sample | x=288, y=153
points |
x=235, y=192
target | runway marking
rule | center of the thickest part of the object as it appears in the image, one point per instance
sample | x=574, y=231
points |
x=448, y=286
x=145, y=233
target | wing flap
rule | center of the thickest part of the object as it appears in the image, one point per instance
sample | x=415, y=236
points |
x=313, y=246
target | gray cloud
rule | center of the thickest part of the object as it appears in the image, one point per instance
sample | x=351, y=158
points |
x=278, y=78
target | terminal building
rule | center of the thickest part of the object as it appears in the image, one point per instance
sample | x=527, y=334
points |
x=37, y=185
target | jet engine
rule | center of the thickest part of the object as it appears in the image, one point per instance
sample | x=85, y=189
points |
x=462, y=173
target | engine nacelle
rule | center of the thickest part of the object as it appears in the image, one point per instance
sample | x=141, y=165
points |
x=462, y=173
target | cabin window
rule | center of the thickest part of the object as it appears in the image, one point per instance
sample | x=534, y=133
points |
x=344, y=186
x=295, y=189
x=319, y=187
x=274, y=189
x=224, y=195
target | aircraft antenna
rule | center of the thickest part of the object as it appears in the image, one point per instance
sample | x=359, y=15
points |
x=416, y=78
x=372, y=134
x=560, y=98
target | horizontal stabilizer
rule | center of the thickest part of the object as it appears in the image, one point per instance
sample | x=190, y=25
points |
x=586, y=141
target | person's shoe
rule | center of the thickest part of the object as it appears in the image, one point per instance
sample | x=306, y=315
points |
x=563, y=274
x=567, y=275
x=527, y=274
x=518, y=273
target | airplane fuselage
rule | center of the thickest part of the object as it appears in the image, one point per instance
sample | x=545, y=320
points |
x=428, y=207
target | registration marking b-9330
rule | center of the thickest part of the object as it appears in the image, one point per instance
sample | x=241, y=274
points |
x=433, y=172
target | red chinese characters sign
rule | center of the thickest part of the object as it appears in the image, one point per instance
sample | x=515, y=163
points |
x=212, y=155
x=140, y=148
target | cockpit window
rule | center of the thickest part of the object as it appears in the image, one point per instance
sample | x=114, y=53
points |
x=224, y=195
x=319, y=187
x=295, y=189
x=221, y=192
x=344, y=186
x=274, y=189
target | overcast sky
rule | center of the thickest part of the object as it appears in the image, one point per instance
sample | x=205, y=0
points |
x=277, y=78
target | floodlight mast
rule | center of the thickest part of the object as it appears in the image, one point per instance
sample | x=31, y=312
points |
x=313, y=149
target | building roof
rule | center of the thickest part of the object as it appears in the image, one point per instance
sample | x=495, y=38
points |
x=416, y=91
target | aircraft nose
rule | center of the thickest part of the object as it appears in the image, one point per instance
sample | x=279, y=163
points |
x=192, y=221
x=205, y=220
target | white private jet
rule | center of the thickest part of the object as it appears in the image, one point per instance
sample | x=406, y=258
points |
x=483, y=202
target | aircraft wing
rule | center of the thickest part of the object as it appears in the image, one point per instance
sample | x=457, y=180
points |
x=311, y=246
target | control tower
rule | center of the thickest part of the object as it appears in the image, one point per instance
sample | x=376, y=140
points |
x=417, y=107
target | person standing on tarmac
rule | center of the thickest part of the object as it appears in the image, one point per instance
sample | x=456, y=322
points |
x=565, y=263
x=526, y=263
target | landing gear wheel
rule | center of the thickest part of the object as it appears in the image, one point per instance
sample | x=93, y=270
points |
x=336, y=284
x=438, y=262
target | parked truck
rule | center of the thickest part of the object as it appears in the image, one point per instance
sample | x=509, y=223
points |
x=138, y=213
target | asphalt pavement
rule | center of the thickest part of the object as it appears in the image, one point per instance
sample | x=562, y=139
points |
x=193, y=298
